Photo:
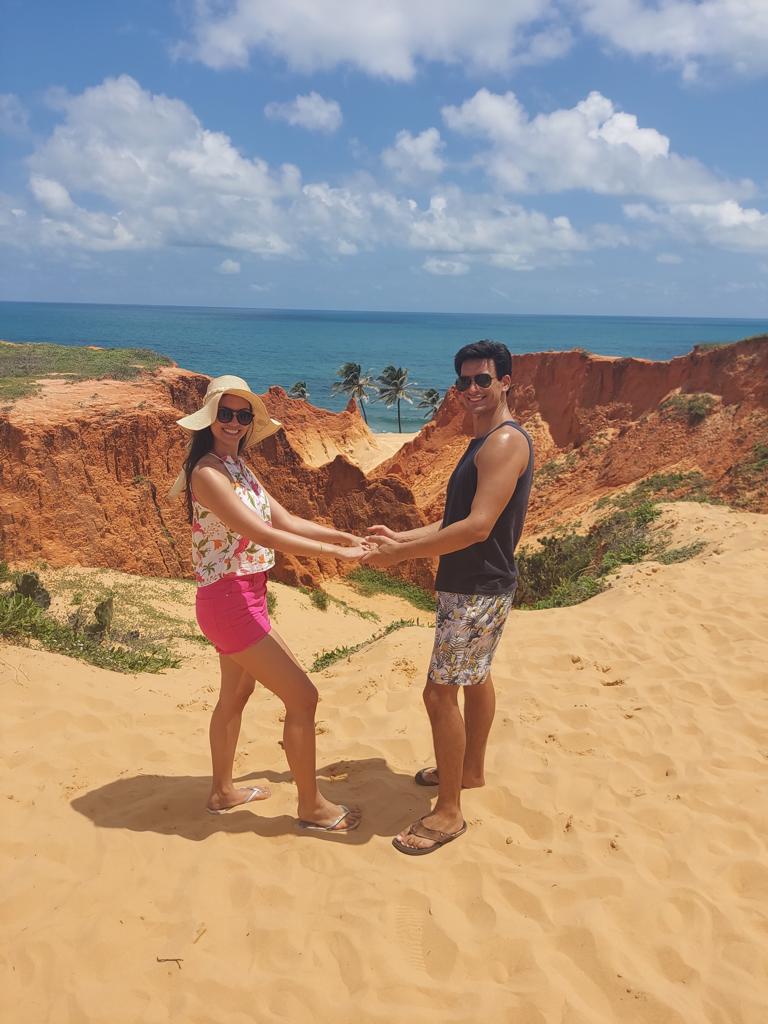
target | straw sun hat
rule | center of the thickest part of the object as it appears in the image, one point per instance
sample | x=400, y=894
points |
x=262, y=426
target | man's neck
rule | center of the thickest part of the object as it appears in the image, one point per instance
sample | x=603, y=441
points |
x=484, y=422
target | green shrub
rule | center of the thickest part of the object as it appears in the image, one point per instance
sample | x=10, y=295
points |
x=369, y=581
x=569, y=567
x=28, y=585
x=22, y=619
x=692, y=486
x=682, y=554
x=756, y=465
x=319, y=599
x=692, y=407
x=571, y=592
x=271, y=602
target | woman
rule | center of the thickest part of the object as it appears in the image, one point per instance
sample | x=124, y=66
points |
x=236, y=528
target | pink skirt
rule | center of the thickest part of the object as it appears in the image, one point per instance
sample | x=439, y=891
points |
x=232, y=612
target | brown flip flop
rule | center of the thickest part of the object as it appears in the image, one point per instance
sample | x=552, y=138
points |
x=437, y=837
x=420, y=778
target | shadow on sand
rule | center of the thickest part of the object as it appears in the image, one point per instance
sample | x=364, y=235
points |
x=175, y=804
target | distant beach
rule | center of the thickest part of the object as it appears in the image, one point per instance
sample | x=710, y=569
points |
x=284, y=346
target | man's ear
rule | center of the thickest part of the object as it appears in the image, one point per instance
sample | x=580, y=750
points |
x=506, y=381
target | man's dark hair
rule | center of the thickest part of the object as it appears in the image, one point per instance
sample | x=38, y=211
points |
x=495, y=350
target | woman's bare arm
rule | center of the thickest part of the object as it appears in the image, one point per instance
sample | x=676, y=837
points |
x=213, y=489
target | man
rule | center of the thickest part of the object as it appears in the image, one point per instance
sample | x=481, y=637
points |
x=485, y=508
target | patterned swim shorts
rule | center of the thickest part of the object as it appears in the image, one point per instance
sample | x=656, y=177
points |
x=467, y=633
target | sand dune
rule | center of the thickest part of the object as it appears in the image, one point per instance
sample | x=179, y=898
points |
x=615, y=869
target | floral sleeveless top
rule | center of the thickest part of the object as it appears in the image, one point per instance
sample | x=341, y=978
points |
x=216, y=550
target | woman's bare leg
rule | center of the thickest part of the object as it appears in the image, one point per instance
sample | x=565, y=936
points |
x=272, y=663
x=236, y=687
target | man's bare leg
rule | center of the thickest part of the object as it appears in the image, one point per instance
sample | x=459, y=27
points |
x=479, y=711
x=450, y=740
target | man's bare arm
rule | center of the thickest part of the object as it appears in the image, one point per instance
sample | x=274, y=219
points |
x=379, y=530
x=500, y=463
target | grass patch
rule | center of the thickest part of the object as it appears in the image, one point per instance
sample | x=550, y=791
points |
x=321, y=599
x=23, y=620
x=271, y=602
x=555, y=467
x=368, y=582
x=681, y=554
x=197, y=638
x=693, y=408
x=707, y=345
x=327, y=658
x=152, y=612
x=570, y=567
x=21, y=366
x=756, y=465
x=142, y=602
x=691, y=486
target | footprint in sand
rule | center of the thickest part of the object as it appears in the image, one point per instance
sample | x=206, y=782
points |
x=426, y=946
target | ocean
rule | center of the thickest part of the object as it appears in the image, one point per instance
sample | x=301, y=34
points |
x=276, y=346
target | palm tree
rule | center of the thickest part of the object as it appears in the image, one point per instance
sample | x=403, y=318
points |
x=299, y=390
x=393, y=388
x=353, y=382
x=430, y=400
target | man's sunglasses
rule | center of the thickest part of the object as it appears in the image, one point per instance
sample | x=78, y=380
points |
x=225, y=415
x=483, y=380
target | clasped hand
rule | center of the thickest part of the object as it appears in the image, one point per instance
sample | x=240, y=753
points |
x=379, y=548
x=384, y=547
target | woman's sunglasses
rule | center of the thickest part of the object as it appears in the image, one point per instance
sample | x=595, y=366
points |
x=483, y=380
x=243, y=416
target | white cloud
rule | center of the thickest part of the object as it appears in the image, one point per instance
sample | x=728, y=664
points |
x=591, y=146
x=166, y=179
x=51, y=195
x=445, y=268
x=686, y=32
x=670, y=258
x=14, y=119
x=312, y=112
x=386, y=39
x=125, y=169
x=727, y=224
x=454, y=224
x=413, y=156
x=228, y=267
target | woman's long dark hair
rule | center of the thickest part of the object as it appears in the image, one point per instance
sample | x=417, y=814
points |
x=201, y=444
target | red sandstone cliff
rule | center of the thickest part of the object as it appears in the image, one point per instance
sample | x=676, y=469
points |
x=85, y=467
x=600, y=424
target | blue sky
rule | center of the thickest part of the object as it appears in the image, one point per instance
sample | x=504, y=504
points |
x=534, y=156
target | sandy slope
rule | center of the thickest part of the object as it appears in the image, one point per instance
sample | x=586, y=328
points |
x=615, y=870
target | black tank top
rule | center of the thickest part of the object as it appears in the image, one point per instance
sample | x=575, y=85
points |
x=487, y=567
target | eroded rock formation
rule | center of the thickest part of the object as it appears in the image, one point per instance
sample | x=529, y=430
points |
x=85, y=467
x=600, y=424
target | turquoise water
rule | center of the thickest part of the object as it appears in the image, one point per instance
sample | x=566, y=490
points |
x=283, y=346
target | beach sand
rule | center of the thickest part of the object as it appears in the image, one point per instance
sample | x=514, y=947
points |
x=615, y=868
x=380, y=448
